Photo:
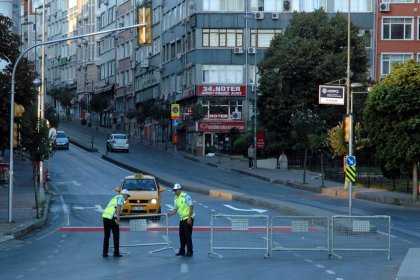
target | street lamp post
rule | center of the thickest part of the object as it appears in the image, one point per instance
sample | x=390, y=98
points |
x=348, y=99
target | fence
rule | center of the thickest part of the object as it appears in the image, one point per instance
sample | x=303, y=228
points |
x=239, y=232
x=299, y=233
x=152, y=230
x=361, y=233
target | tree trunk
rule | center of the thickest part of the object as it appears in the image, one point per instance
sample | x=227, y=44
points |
x=35, y=177
x=415, y=182
x=304, y=165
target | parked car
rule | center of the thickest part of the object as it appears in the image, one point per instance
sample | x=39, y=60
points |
x=117, y=142
x=61, y=140
x=145, y=195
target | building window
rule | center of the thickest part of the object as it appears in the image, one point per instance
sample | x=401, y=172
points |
x=367, y=36
x=397, y=28
x=223, y=5
x=418, y=57
x=356, y=6
x=312, y=5
x=389, y=59
x=222, y=38
x=262, y=37
x=223, y=74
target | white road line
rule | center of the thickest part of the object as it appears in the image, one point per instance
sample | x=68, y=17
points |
x=320, y=266
x=308, y=260
x=330, y=272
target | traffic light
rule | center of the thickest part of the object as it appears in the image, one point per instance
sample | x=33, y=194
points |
x=145, y=31
x=15, y=135
x=347, y=129
x=18, y=113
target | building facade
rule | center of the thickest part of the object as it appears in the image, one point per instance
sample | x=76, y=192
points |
x=398, y=34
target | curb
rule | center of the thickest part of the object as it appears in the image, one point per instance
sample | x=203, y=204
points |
x=94, y=150
x=32, y=225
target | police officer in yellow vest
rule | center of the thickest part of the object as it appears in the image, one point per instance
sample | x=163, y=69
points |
x=111, y=220
x=184, y=206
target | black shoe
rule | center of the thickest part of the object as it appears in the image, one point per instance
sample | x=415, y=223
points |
x=180, y=254
x=105, y=255
x=189, y=254
x=118, y=256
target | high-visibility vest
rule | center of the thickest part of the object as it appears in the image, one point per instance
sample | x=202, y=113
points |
x=182, y=206
x=111, y=208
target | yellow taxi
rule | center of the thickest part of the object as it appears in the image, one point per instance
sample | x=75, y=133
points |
x=145, y=195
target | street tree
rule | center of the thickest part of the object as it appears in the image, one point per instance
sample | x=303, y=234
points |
x=392, y=119
x=36, y=143
x=306, y=128
x=310, y=52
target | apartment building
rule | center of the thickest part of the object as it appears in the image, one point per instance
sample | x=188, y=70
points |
x=206, y=52
x=398, y=36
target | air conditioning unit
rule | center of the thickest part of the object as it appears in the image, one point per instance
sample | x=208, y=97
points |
x=238, y=50
x=275, y=15
x=236, y=115
x=252, y=50
x=254, y=88
x=259, y=15
x=384, y=7
x=178, y=56
x=286, y=5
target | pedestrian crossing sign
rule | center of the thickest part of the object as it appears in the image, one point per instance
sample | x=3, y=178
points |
x=351, y=174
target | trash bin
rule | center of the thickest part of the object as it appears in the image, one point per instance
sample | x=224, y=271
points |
x=283, y=162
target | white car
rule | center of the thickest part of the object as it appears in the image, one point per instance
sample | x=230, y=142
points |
x=61, y=140
x=117, y=142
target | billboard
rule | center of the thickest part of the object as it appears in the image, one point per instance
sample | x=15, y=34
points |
x=332, y=95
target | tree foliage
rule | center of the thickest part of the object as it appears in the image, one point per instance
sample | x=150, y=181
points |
x=392, y=116
x=34, y=136
x=97, y=103
x=312, y=51
x=25, y=91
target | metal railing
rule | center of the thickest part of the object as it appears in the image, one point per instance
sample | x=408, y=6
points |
x=361, y=233
x=239, y=232
x=300, y=233
x=152, y=230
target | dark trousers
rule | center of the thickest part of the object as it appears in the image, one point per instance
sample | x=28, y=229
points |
x=251, y=162
x=111, y=225
x=185, y=236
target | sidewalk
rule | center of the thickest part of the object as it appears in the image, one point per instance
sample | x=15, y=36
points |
x=23, y=212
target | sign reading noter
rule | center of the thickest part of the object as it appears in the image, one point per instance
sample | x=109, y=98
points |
x=332, y=95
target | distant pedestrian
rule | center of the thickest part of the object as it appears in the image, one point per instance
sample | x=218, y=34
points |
x=184, y=206
x=111, y=221
x=251, y=156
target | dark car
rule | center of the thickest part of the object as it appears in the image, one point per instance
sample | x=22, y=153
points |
x=61, y=140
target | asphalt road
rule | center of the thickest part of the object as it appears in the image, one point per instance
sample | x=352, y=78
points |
x=83, y=184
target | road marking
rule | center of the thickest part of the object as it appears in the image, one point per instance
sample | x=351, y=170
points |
x=245, y=210
x=74, y=182
x=330, y=271
x=170, y=207
x=97, y=208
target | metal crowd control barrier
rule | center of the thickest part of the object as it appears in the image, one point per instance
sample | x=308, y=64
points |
x=239, y=232
x=151, y=229
x=300, y=233
x=361, y=233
